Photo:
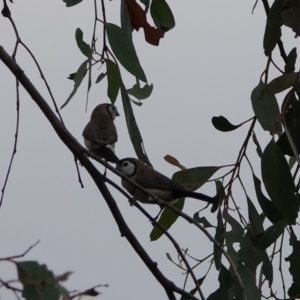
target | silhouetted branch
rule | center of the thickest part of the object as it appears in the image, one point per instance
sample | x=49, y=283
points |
x=79, y=153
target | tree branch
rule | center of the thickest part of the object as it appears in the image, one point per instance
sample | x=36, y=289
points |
x=79, y=153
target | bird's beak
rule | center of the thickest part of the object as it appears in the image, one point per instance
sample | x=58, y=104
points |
x=117, y=114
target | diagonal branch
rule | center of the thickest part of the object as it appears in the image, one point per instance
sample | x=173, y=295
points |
x=78, y=152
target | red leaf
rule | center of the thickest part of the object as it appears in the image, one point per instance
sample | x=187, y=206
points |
x=138, y=20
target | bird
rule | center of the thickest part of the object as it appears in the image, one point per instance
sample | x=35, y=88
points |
x=154, y=182
x=100, y=134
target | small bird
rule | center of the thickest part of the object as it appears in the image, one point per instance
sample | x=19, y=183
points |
x=100, y=134
x=154, y=182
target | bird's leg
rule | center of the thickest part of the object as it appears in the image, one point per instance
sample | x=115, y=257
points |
x=160, y=212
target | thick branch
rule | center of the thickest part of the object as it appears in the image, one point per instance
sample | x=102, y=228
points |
x=78, y=151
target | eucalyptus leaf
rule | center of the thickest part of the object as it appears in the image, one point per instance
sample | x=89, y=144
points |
x=124, y=50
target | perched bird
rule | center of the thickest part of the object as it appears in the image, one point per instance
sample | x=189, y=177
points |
x=154, y=182
x=100, y=134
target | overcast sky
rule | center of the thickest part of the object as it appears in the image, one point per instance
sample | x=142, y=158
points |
x=206, y=66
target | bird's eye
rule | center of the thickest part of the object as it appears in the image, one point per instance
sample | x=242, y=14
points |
x=113, y=108
x=125, y=164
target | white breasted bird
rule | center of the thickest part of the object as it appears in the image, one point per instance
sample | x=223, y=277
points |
x=100, y=134
x=154, y=182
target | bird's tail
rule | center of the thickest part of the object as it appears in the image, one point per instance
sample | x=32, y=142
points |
x=198, y=196
x=107, y=153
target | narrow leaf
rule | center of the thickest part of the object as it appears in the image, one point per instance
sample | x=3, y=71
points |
x=271, y=234
x=140, y=93
x=254, y=218
x=219, y=236
x=70, y=3
x=202, y=220
x=80, y=74
x=258, y=148
x=100, y=77
x=250, y=255
x=294, y=260
x=291, y=16
x=113, y=80
x=166, y=220
x=194, y=290
x=273, y=26
x=194, y=178
x=278, y=181
x=279, y=84
x=291, y=60
x=132, y=127
x=267, y=206
x=226, y=281
x=125, y=19
x=222, y=124
x=82, y=45
x=162, y=15
x=123, y=48
x=267, y=269
x=266, y=110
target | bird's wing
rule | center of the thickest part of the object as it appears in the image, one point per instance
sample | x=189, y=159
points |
x=160, y=182
x=101, y=136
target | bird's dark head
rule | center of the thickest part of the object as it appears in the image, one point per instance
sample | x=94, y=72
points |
x=105, y=108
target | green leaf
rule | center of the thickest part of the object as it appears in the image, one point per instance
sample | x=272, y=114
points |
x=226, y=281
x=220, y=195
x=294, y=291
x=233, y=236
x=80, y=74
x=113, y=80
x=146, y=3
x=254, y=218
x=162, y=15
x=132, y=127
x=222, y=124
x=125, y=20
x=289, y=141
x=249, y=254
x=250, y=289
x=82, y=45
x=266, y=110
x=219, y=236
x=123, y=48
x=279, y=84
x=236, y=233
x=38, y=282
x=267, y=206
x=267, y=269
x=194, y=178
x=166, y=220
x=294, y=260
x=194, y=290
x=271, y=235
x=291, y=60
x=278, y=181
x=273, y=26
x=291, y=17
x=100, y=77
x=70, y=3
x=258, y=148
x=202, y=220
x=140, y=93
